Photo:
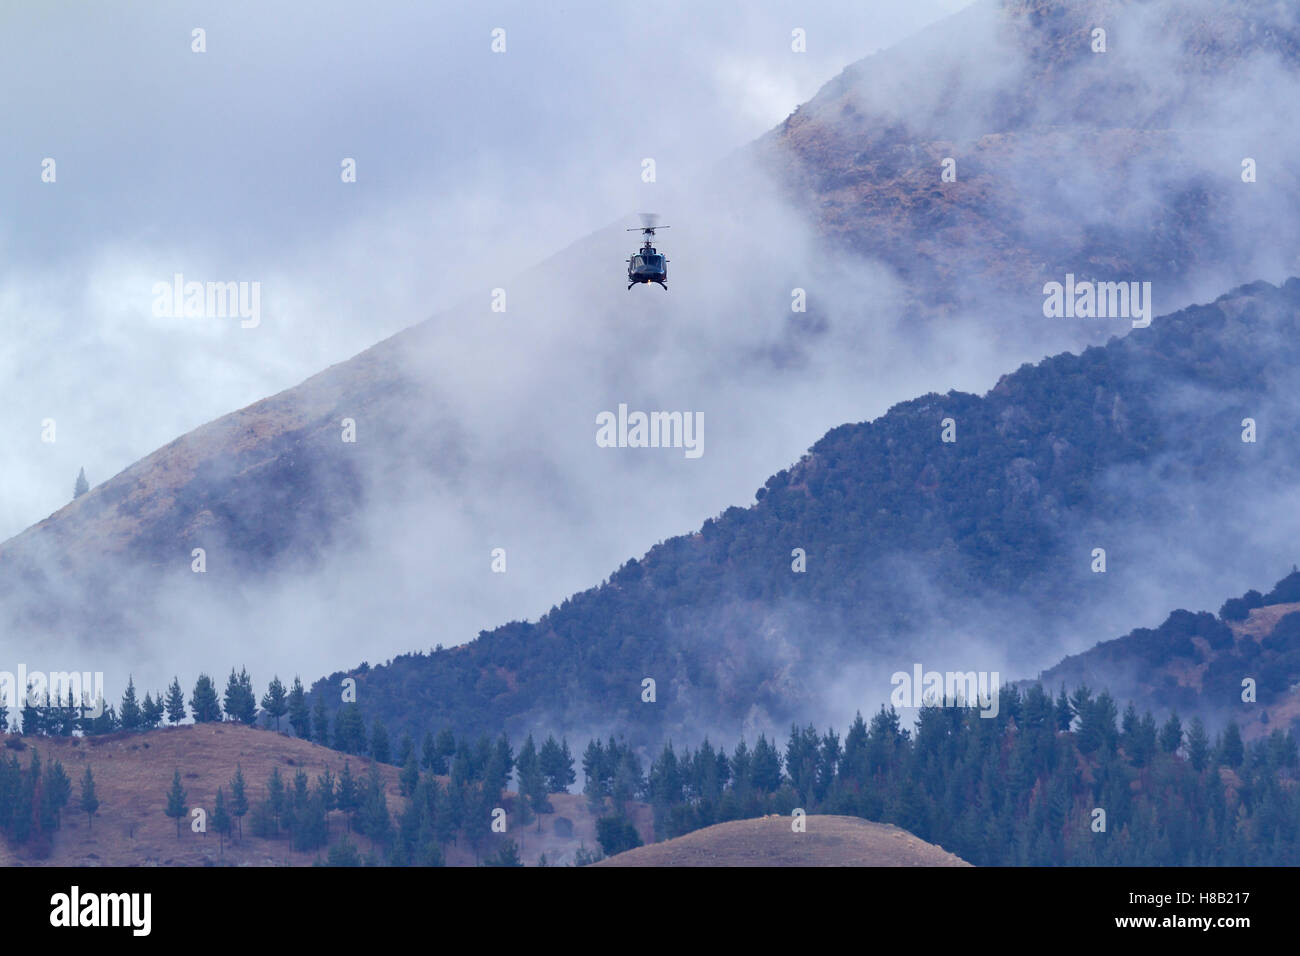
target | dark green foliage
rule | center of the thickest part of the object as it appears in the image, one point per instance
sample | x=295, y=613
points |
x=1012, y=790
x=238, y=799
x=1238, y=609
x=616, y=834
x=131, y=716
x=299, y=715
x=321, y=723
x=379, y=742
x=275, y=703
x=176, y=806
x=350, y=730
x=221, y=820
x=344, y=853
x=508, y=855
x=205, y=707
x=89, y=801
x=556, y=764
x=151, y=711
x=240, y=701
x=175, y=702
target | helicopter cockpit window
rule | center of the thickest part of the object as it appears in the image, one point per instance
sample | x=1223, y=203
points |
x=637, y=262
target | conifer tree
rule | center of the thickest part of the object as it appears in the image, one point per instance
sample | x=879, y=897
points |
x=275, y=701
x=410, y=777
x=176, y=807
x=349, y=799
x=221, y=820
x=1171, y=734
x=238, y=799
x=175, y=704
x=33, y=717
x=1231, y=751
x=131, y=716
x=275, y=795
x=151, y=711
x=350, y=730
x=321, y=723
x=204, y=705
x=81, y=486
x=89, y=801
x=299, y=715
x=556, y=765
x=445, y=747
x=379, y=742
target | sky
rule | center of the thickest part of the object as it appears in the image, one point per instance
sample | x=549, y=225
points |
x=225, y=165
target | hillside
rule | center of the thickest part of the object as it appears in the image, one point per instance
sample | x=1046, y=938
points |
x=1116, y=164
x=133, y=773
x=1195, y=663
x=964, y=551
x=769, y=841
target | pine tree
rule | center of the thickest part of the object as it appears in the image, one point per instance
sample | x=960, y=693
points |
x=238, y=799
x=556, y=765
x=221, y=821
x=275, y=795
x=131, y=716
x=247, y=699
x=1198, y=745
x=205, y=708
x=321, y=723
x=299, y=715
x=151, y=711
x=56, y=790
x=275, y=701
x=350, y=730
x=175, y=703
x=532, y=783
x=32, y=716
x=445, y=747
x=348, y=796
x=176, y=807
x=81, y=486
x=410, y=777
x=379, y=742
x=1231, y=750
x=241, y=704
x=89, y=802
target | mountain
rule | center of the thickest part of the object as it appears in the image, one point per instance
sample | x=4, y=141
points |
x=474, y=429
x=1098, y=482
x=1120, y=164
x=1195, y=663
x=769, y=841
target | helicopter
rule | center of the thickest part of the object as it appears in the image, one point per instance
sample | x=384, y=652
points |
x=647, y=264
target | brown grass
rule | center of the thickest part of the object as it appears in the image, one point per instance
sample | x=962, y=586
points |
x=771, y=841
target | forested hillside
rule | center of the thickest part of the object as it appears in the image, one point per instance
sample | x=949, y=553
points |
x=910, y=541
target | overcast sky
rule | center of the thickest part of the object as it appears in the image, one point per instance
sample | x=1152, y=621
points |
x=225, y=165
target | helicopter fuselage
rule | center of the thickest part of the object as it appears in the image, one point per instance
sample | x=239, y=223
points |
x=647, y=266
